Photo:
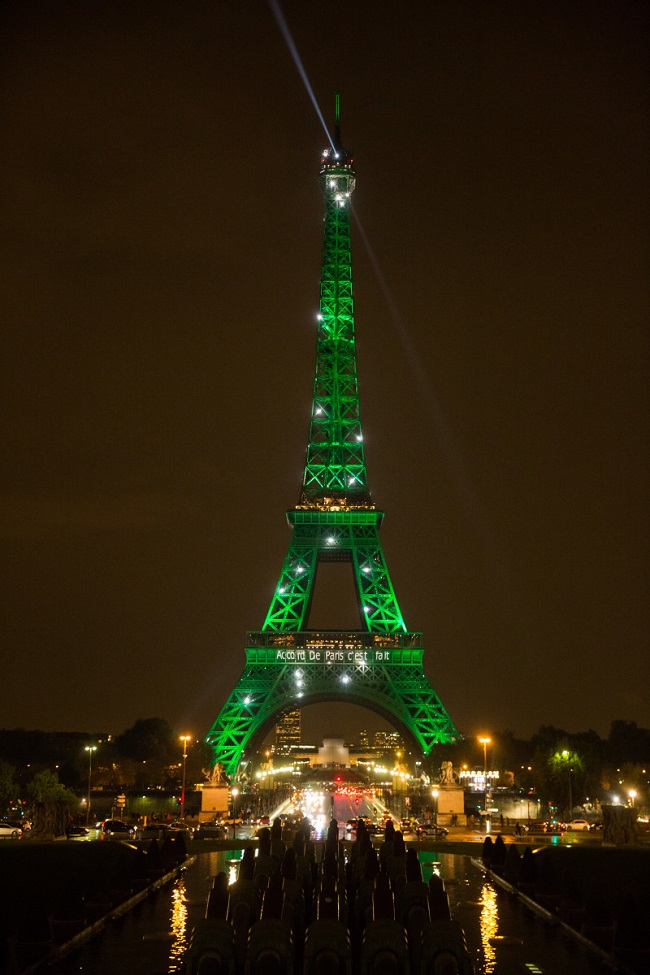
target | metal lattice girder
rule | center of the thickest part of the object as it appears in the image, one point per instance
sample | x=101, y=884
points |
x=383, y=674
x=350, y=536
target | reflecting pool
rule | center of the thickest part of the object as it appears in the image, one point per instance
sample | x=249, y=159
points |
x=503, y=936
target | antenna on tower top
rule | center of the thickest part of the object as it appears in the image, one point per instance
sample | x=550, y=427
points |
x=337, y=119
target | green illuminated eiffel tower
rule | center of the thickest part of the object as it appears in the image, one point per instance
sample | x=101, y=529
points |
x=288, y=665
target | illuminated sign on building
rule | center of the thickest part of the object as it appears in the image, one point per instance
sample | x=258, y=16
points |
x=475, y=779
x=324, y=656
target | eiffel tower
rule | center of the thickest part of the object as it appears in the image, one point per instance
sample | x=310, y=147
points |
x=288, y=666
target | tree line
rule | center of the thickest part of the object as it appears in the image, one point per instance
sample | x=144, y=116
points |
x=553, y=763
x=147, y=755
x=565, y=767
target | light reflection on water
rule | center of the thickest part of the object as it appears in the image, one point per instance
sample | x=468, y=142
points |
x=217, y=862
x=429, y=864
x=178, y=926
x=232, y=872
x=489, y=922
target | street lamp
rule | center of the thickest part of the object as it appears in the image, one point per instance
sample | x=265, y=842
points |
x=90, y=749
x=566, y=756
x=632, y=795
x=234, y=793
x=485, y=742
x=184, y=739
x=434, y=793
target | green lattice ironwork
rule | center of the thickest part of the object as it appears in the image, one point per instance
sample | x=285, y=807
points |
x=335, y=471
x=287, y=665
x=334, y=536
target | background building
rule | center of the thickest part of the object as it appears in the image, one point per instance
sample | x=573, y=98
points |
x=288, y=732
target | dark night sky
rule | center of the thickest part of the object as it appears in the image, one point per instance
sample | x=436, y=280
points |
x=161, y=241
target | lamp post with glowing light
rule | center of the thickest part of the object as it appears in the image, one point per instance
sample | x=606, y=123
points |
x=184, y=739
x=434, y=793
x=566, y=756
x=485, y=742
x=234, y=793
x=90, y=749
x=632, y=795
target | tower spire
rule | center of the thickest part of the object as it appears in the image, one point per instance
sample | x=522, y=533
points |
x=337, y=119
x=335, y=469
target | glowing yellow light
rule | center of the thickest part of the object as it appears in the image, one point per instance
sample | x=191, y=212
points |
x=489, y=922
x=178, y=928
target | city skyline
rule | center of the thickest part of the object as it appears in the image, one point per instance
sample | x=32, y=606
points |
x=162, y=238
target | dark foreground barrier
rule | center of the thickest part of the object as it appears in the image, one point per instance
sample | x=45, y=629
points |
x=600, y=893
x=54, y=894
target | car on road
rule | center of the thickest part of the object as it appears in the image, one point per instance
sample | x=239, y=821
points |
x=119, y=829
x=211, y=831
x=545, y=827
x=374, y=829
x=431, y=829
x=578, y=824
x=406, y=826
x=9, y=831
x=371, y=828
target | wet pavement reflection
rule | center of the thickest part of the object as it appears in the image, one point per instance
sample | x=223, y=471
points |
x=504, y=937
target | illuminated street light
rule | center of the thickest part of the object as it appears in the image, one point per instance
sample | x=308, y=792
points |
x=184, y=739
x=632, y=795
x=566, y=756
x=434, y=793
x=90, y=749
x=485, y=742
x=234, y=793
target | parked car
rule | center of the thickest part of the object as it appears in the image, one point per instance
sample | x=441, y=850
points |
x=153, y=831
x=10, y=831
x=430, y=829
x=116, y=827
x=179, y=826
x=211, y=831
x=18, y=823
x=578, y=824
x=73, y=830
